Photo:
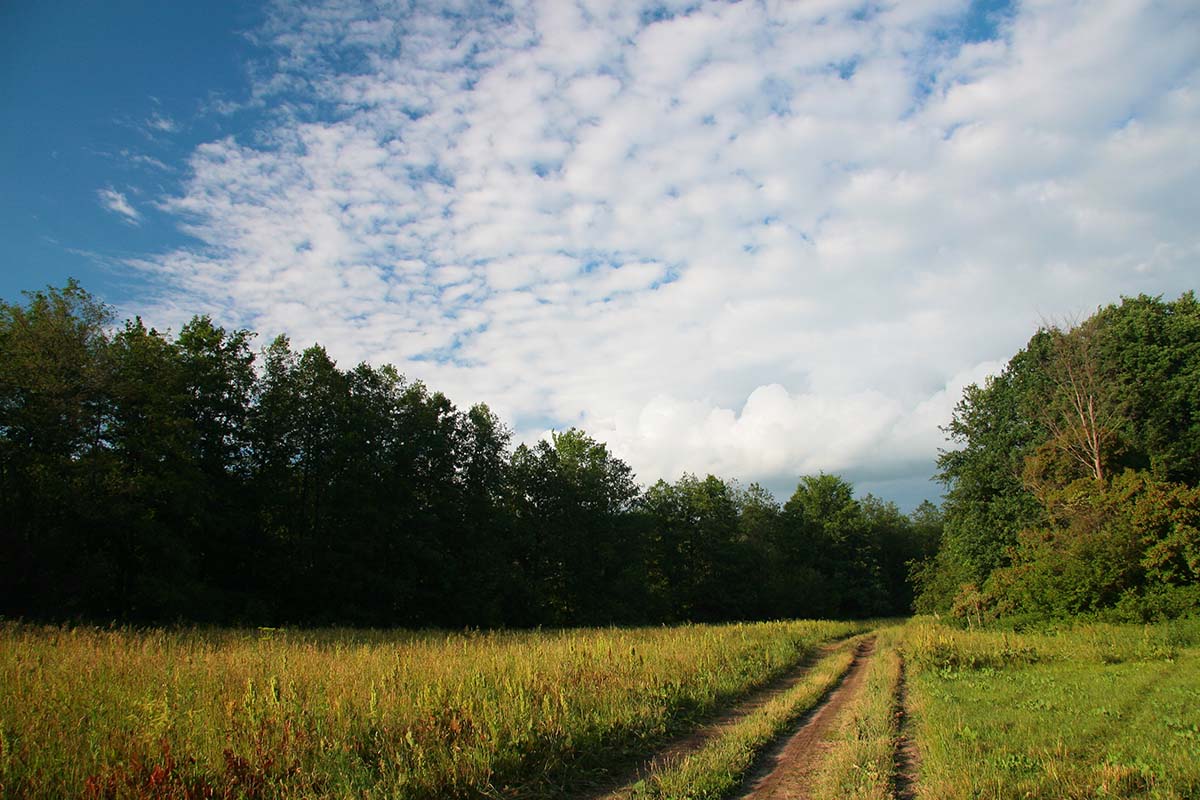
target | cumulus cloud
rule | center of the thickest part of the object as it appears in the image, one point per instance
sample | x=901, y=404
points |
x=757, y=239
x=118, y=203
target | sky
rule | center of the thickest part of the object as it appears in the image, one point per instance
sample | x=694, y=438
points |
x=757, y=239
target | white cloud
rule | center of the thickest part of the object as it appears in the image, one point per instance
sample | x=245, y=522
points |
x=750, y=239
x=118, y=203
x=161, y=123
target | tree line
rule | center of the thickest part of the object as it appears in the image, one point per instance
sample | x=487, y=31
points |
x=154, y=477
x=1074, y=488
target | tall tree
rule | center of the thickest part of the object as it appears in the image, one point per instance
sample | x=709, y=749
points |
x=774, y=580
x=1150, y=352
x=216, y=371
x=1042, y=451
x=569, y=496
x=154, y=478
x=994, y=427
x=53, y=416
x=700, y=558
x=157, y=502
x=1077, y=407
x=824, y=511
x=482, y=557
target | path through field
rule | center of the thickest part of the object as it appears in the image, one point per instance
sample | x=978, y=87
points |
x=787, y=770
x=627, y=785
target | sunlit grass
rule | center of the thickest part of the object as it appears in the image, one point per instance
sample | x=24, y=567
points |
x=120, y=713
x=1088, y=711
x=1084, y=711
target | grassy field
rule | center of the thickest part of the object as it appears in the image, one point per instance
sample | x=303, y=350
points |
x=1086, y=711
x=119, y=713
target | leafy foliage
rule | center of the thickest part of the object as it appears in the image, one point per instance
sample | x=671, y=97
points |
x=1074, y=487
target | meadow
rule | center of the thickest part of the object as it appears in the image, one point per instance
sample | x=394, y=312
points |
x=1078, y=711
x=265, y=713
x=1084, y=711
x=1075, y=711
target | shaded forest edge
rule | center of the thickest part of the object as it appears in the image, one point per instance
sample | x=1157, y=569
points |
x=157, y=477
x=154, y=477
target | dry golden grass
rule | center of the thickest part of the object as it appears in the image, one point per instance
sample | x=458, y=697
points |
x=124, y=713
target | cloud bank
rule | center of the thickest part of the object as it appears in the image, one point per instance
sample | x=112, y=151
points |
x=757, y=239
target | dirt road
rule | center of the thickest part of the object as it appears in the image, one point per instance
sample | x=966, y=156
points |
x=786, y=772
x=625, y=786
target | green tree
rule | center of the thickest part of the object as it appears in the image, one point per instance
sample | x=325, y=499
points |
x=157, y=503
x=771, y=582
x=823, y=513
x=53, y=419
x=215, y=370
x=483, y=528
x=701, y=559
x=1150, y=352
x=900, y=541
x=294, y=432
x=569, y=500
x=1128, y=549
x=1039, y=446
x=995, y=427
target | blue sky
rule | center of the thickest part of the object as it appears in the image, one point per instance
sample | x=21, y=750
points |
x=100, y=95
x=759, y=239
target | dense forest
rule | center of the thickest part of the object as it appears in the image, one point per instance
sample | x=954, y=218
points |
x=1073, y=487
x=156, y=477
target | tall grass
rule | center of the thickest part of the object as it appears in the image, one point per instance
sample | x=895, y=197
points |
x=932, y=644
x=125, y=713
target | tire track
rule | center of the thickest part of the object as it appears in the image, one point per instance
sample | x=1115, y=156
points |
x=906, y=759
x=626, y=785
x=786, y=771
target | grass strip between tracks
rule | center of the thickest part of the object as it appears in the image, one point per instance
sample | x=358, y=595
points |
x=860, y=763
x=711, y=772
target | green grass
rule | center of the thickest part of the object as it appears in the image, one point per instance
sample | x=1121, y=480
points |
x=122, y=713
x=1084, y=712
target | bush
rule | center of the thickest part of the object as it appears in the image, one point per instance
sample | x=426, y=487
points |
x=1125, y=550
